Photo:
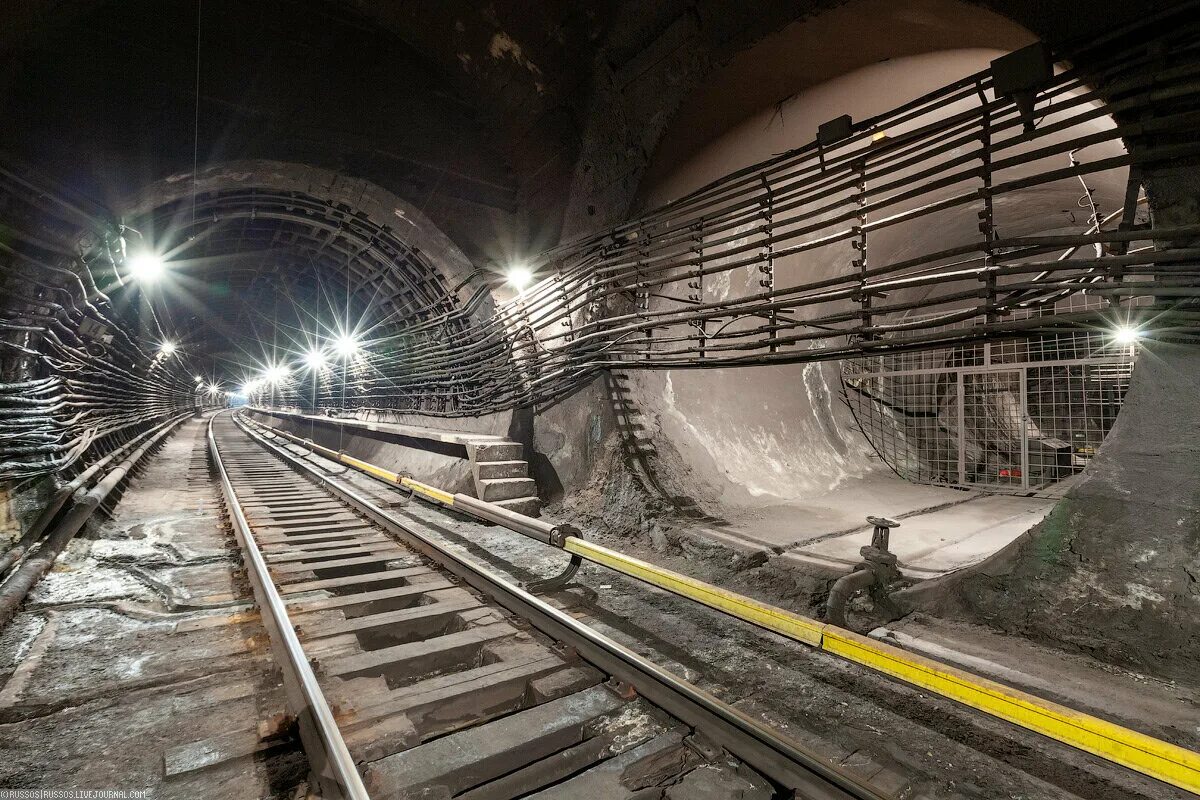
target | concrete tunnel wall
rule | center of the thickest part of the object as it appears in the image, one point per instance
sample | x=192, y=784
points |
x=742, y=438
x=439, y=464
x=1113, y=569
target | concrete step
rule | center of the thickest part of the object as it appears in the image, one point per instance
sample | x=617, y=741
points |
x=495, y=470
x=529, y=506
x=506, y=489
x=497, y=451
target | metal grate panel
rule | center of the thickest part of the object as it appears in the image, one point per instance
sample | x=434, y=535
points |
x=1017, y=416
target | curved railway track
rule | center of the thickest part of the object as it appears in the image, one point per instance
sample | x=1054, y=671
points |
x=414, y=672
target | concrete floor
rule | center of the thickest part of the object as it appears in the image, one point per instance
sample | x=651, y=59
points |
x=941, y=529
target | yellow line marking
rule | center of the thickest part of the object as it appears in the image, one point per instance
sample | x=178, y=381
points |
x=379, y=472
x=1142, y=753
x=1145, y=754
x=770, y=617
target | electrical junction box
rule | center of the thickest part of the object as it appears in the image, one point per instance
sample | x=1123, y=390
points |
x=835, y=130
x=1022, y=70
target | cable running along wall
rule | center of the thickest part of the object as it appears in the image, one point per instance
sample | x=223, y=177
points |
x=75, y=383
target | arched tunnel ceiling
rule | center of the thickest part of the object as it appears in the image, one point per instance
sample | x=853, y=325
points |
x=276, y=254
x=499, y=122
x=462, y=109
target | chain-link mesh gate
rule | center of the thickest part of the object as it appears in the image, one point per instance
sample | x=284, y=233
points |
x=1017, y=416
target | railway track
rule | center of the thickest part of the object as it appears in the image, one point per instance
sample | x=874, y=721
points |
x=413, y=672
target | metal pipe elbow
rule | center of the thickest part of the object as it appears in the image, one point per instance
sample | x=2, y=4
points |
x=843, y=589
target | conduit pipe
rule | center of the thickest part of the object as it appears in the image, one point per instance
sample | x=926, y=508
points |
x=66, y=490
x=31, y=571
x=843, y=589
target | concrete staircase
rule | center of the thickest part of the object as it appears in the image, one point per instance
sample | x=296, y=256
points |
x=502, y=476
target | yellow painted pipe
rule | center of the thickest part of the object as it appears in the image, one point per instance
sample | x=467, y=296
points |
x=328, y=452
x=794, y=626
x=430, y=492
x=424, y=489
x=1145, y=754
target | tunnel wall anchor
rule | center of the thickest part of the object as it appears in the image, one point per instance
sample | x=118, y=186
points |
x=877, y=573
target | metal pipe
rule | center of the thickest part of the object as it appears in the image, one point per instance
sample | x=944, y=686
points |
x=14, y=590
x=843, y=589
x=499, y=515
x=56, y=503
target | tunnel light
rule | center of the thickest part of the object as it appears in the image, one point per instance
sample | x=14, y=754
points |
x=519, y=277
x=275, y=373
x=314, y=359
x=146, y=266
x=346, y=346
x=166, y=348
x=1126, y=334
x=199, y=379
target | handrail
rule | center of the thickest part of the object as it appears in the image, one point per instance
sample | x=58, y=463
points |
x=31, y=570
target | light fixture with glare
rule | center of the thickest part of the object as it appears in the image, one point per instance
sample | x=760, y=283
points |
x=146, y=266
x=199, y=379
x=166, y=348
x=314, y=359
x=346, y=346
x=1126, y=334
x=519, y=276
x=275, y=373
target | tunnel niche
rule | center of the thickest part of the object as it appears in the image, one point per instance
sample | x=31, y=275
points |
x=1012, y=416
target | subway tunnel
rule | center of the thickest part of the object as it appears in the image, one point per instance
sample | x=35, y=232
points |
x=599, y=399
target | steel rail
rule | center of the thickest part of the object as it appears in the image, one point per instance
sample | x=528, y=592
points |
x=328, y=755
x=785, y=762
x=1140, y=752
